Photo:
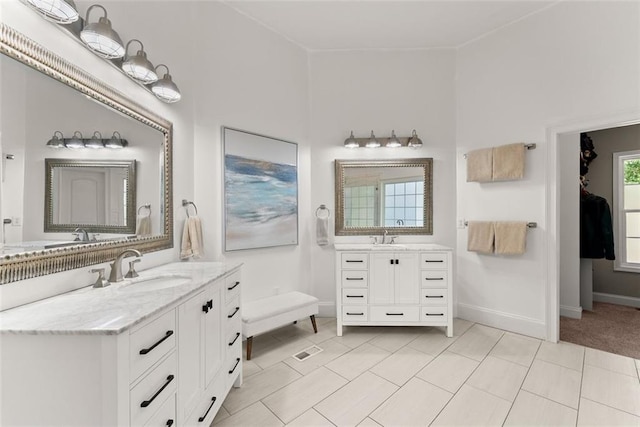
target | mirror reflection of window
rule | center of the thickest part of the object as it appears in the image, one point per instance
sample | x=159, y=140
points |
x=403, y=203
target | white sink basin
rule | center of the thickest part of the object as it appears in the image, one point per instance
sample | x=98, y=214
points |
x=147, y=284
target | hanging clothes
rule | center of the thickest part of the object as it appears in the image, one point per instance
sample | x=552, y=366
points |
x=596, y=229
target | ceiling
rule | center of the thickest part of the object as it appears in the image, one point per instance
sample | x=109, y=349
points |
x=390, y=24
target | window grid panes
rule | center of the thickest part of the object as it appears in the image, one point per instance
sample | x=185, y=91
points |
x=359, y=209
x=403, y=204
x=628, y=210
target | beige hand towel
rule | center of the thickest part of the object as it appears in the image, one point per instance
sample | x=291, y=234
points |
x=144, y=225
x=191, y=239
x=479, y=165
x=508, y=162
x=480, y=237
x=511, y=237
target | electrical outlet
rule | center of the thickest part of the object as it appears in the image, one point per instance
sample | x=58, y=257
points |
x=461, y=223
x=16, y=221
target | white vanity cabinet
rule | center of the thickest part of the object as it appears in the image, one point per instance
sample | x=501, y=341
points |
x=90, y=366
x=408, y=285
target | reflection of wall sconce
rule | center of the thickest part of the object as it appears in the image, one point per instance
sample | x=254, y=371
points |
x=77, y=141
x=391, y=142
x=100, y=38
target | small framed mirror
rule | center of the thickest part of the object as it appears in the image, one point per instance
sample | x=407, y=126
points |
x=374, y=195
x=98, y=196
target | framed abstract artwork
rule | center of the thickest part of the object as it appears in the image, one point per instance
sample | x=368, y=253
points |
x=260, y=191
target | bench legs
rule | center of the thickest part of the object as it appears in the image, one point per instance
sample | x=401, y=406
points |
x=249, y=344
x=250, y=339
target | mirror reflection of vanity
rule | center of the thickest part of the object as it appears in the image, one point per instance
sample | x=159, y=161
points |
x=36, y=207
x=377, y=195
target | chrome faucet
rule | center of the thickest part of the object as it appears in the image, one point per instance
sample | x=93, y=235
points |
x=83, y=236
x=385, y=233
x=116, y=265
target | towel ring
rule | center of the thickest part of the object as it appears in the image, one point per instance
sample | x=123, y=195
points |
x=186, y=204
x=147, y=206
x=323, y=208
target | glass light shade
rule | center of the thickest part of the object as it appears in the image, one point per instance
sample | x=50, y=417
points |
x=59, y=11
x=414, y=141
x=55, y=141
x=165, y=88
x=95, y=141
x=115, y=141
x=101, y=38
x=373, y=142
x=75, y=141
x=139, y=67
x=393, y=141
x=351, y=142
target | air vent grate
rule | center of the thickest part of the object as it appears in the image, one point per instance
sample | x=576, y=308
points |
x=307, y=353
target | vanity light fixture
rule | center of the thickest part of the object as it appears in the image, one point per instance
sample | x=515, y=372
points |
x=59, y=11
x=95, y=141
x=100, y=36
x=351, y=142
x=372, y=142
x=414, y=142
x=55, y=141
x=393, y=141
x=388, y=142
x=138, y=66
x=165, y=88
x=76, y=141
x=116, y=141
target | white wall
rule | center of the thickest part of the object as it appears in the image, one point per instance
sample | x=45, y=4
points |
x=572, y=61
x=380, y=91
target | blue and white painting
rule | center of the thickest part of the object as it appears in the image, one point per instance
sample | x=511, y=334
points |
x=261, y=191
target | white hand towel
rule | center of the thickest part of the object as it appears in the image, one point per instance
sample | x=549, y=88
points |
x=480, y=237
x=322, y=231
x=508, y=162
x=144, y=225
x=511, y=237
x=479, y=165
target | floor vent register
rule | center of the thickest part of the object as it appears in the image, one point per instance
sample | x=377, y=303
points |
x=307, y=353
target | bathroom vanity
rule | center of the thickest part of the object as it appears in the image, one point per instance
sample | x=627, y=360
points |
x=162, y=349
x=394, y=285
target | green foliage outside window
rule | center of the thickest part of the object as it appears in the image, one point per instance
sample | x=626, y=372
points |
x=632, y=172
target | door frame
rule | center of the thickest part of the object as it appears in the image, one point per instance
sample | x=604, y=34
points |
x=624, y=118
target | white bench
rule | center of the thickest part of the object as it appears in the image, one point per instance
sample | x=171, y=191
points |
x=269, y=313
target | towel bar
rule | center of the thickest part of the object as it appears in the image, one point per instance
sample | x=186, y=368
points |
x=147, y=206
x=529, y=224
x=323, y=208
x=186, y=204
x=527, y=146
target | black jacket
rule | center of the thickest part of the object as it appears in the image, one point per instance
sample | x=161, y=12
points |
x=596, y=230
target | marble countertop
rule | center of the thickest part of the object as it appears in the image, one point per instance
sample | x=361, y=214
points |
x=393, y=247
x=115, y=308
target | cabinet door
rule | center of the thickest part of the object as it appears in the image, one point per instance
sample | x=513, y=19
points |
x=381, y=278
x=191, y=327
x=407, y=278
x=213, y=335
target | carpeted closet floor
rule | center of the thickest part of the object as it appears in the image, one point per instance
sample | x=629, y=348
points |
x=609, y=327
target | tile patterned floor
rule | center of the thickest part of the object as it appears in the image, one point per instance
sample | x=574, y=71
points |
x=401, y=376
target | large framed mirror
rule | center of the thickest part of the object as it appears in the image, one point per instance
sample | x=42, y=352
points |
x=377, y=195
x=42, y=94
x=95, y=196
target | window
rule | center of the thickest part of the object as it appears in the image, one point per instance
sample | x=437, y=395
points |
x=360, y=203
x=403, y=204
x=626, y=196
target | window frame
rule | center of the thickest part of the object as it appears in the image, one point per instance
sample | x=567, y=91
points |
x=619, y=217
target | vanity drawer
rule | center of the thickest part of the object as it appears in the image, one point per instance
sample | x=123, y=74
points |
x=149, y=394
x=354, y=313
x=166, y=415
x=434, y=314
x=434, y=296
x=395, y=313
x=433, y=260
x=355, y=261
x=434, y=278
x=354, y=296
x=355, y=278
x=232, y=287
x=150, y=342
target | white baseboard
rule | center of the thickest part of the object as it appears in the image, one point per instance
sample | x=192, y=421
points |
x=507, y=321
x=571, y=312
x=616, y=299
x=326, y=309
